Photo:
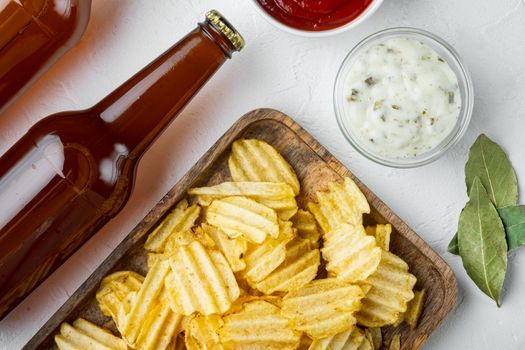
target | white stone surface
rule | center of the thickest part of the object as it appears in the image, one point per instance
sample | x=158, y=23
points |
x=295, y=75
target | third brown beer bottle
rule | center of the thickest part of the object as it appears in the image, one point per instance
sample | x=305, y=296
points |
x=73, y=171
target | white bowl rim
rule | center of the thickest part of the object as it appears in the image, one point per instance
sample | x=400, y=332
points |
x=321, y=33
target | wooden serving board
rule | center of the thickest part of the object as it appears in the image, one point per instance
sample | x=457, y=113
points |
x=315, y=167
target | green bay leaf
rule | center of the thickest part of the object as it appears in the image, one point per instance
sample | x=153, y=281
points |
x=513, y=218
x=481, y=241
x=488, y=161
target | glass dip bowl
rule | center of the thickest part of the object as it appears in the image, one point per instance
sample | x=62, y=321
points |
x=446, y=53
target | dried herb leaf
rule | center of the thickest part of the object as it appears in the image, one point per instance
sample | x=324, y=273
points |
x=490, y=163
x=481, y=240
x=513, y=218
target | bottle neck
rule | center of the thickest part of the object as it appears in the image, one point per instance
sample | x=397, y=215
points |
x=141, y=108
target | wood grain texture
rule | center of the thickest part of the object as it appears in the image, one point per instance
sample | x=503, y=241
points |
x=315, y=167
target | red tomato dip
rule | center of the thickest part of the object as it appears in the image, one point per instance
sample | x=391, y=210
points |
x=314, y=15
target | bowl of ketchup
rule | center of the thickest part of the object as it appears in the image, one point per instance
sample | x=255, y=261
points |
x=316, y=17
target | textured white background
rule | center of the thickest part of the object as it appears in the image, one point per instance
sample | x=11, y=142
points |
x=295, y=75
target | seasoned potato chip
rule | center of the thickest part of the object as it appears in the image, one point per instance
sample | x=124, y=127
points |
x=255, y=160
x=342, y=203
x=278, y=196
x=382, y=234
x=179, y=221
x=147, y=297
x=200, y=281
x=159, y=329
x=352, y=339
x=415, y=308
x=259, y=325
x=350, y=253
x=84, y=335
x=298, y=268
x=202, y=333
x=391, y=290
x=306, y=227
x=375, y=337
x=233, y=250
x=243, y=217
x=323, y=308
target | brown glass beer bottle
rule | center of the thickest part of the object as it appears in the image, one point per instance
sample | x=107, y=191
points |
x=73, y=171
x=33, y=35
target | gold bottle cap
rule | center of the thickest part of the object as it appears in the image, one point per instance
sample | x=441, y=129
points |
x=226, y=29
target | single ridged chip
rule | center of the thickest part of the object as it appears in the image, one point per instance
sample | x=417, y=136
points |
x=243, y=217
x=84, y=335
x=159, y=329
x=234, y=249
x=278, y=196
x=116, y=294
x=200, y=281
x=323, y=307
x=149, y=294
x=342, y=203
x=256, y=161
x=202, y=333
x=306, y=226
x=382, y=234
x=298, y=268
x=391, y=290
x=179, y=221
x=352, y=339
x=258, y=325
x=262, y=259
x=350, y=253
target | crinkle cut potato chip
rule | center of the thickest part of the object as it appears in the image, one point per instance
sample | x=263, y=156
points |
x=255, y=160
x=201, y=281
x=352, y=339
x=233, y=250
x=159, y=328
x=202, y=333
x=298, y=268
x=391, y=290
x=342, y=203
x=243, y=217
x=258, y=325
x=323, y=308
x=180, y=220
x=306, y=226
x=350, y=253
x=382, y=234
x=415, y=308
x=84, y=335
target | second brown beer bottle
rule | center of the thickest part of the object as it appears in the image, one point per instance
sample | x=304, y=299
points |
x=73, y=171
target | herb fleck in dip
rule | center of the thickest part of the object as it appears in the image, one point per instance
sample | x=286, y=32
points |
x=403, y=98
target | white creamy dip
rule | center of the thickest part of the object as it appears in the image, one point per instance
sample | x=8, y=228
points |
x=403, y=98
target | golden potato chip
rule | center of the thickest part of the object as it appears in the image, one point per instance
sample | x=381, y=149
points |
x=179, y=221
x=233, y=250
x=382, y=234
x=342, y=203
x=259, y=325
x=262, y=259
x=305, y=343
x=306, y=227
x=352, y=339
x=152, y=259
x=298, y=268
x=391, y=290
x=159, y=328
x=375, y=337
x=243, y=217
x=415, y=308
x=323, y=307
x=200, y=281
x=202, y=333
x=395, y=342
x=147, y=297
x=84, y=335
x=256, y=161
x=277, y=196
x=350, y=253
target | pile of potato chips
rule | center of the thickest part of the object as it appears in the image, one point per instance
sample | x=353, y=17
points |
x=239, y=266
